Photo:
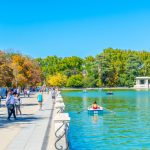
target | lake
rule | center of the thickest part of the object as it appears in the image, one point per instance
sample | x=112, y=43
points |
x=125, y=123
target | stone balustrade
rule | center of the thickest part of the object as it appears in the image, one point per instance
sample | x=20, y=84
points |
x=59, y=99
x=61, y=123
x=59, y=107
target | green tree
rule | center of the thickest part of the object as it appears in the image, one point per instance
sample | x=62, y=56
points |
x=90, y=81
x=133, y=65
x=75, y=81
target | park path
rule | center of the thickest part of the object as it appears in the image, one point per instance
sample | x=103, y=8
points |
x=31, y=130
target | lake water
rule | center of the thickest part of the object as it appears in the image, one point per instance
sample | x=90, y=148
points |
x=125, y=126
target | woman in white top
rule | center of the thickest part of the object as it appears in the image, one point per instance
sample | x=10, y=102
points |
x=18, y=103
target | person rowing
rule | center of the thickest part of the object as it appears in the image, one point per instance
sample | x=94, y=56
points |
x=95, y=108
x=95, y=105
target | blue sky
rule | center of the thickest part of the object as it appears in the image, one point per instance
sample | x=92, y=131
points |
x=73, y=27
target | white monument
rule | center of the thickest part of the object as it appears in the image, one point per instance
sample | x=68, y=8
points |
x=142, y=82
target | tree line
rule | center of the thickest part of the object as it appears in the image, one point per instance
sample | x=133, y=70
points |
x=110, y=68
x=18, y=70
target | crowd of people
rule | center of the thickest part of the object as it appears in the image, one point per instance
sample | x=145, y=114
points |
x=13, y=99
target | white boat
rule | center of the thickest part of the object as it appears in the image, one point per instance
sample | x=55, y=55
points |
x=98, y=110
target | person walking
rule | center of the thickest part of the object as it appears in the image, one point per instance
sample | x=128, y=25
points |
x=53, y=93
x=18, y=104
x=10, y=104
x=40, y=99
x=47, y=90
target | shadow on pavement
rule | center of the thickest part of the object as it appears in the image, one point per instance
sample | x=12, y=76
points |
x=22, y=97
x=31, y=104
x=26, y=114
x=4, y=123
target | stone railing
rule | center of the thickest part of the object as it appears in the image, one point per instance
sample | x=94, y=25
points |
x=141, y=86
x=61, y=123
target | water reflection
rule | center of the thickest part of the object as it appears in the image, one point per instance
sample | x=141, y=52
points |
x=95, y=118
x=142, y=108
x=142, y=99
x=84, y=100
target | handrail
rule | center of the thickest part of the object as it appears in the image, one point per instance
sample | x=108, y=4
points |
x=59, y=129
x=61, y=136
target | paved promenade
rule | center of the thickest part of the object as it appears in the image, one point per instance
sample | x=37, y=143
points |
x=31, y=130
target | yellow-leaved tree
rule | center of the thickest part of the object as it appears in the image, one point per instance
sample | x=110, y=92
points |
x=17, y=66
x=26, y=71
x=6, y=74
x=57, y=80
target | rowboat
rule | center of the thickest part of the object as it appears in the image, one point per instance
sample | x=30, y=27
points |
x=95, y=111
x=109, y=93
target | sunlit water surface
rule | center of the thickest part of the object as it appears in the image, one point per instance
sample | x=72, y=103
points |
x=124, y=125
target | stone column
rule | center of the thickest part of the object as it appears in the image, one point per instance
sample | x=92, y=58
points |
x=146, y=83
x=137, y=82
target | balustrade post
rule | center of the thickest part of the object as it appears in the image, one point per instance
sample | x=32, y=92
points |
x=61, y=121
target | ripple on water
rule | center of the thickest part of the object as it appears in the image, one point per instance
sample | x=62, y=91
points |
x=127, y=128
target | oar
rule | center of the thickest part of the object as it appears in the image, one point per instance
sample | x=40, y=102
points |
x=81, y=111
x=109, y=110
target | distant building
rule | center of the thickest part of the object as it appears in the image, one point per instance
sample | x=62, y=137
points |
x=142, y=82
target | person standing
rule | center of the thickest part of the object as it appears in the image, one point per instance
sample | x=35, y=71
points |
x=25, y=92
x=18, y=103
x=28, y=92
x=10, y=104
x=40, y=99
